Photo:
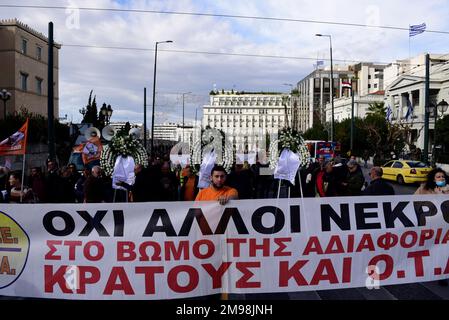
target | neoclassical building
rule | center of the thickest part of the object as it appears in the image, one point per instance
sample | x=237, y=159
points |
x=408, y=88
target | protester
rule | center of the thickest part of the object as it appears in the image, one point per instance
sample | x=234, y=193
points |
x=313, y=172
x=437, y=183
x=79, y=185
x=18, y=194
x=217, y=189
x=378, y=186
x=54, y=183
x=69, y=178
x=241, y=179
x=139, y=190
x=94, y=187
x=3, y=181
x=38, y=184
x=325, y=184
x=168, y=183
x=189, y=188
x=354, y=180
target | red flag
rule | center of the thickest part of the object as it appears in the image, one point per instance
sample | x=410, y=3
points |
x=16, y=143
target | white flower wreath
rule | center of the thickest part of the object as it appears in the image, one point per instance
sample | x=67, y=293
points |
x=292, y=140
x=122, y=146
x=197, y=152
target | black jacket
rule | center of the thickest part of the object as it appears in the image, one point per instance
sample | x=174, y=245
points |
x=379, y=187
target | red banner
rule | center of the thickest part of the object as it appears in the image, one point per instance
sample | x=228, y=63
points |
x=16, y=143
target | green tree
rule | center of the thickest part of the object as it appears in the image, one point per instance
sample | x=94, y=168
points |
x=442, y=128
x=317, y=132
x=343, y=135
x=377, y=108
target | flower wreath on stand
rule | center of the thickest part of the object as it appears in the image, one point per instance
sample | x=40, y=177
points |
x=211, y=139
x=122, y=144
x=288, y=154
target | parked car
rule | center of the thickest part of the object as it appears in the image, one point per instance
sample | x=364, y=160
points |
x=405, y=171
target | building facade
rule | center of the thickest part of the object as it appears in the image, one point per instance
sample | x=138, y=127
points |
x=246, y=118
x=343, y=106
x=24, y=61
x=407, y=92
x=314, y=92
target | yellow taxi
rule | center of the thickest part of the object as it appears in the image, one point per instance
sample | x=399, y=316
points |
x=405, y=171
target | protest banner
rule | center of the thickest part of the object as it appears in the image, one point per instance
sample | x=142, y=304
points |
x=188, y=249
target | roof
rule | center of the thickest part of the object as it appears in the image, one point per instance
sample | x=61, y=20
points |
x=16, y=23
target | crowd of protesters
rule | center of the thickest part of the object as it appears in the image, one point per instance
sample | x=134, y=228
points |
x=161, y=181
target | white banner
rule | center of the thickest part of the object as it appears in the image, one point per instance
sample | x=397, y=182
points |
x=188, y=249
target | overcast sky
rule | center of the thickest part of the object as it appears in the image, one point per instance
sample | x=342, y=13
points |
x=119, y=76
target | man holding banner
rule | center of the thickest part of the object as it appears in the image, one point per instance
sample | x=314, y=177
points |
x=217, y=190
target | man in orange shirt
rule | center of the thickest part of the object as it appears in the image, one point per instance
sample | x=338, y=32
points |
x=217, y=190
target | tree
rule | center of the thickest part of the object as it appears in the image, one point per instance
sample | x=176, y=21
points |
x=317, y=132
x=377, y=108
x=384, y=138
x=343, y=135
x=92, y=115
x=443, y=139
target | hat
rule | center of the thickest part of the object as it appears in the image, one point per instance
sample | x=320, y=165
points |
x=352, y=163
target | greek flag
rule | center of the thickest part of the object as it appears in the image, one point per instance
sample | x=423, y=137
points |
x=417, y=29
x=319, y=63
x=389, y=113
x=409, y=109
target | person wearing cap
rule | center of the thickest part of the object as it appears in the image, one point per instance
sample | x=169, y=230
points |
x=352, y=186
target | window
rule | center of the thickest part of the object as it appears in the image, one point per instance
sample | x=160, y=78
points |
x=23, y=81
x=39, y=53
x=369, y=86
x=413, y=164
x=388, y=164
x=24, y=46
x=375, y=85
x=39, y=86
x=369, y=76
x=397, y=165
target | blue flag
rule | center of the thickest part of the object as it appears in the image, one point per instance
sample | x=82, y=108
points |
x=417, y=29
x=389, y=113
x=409, y=109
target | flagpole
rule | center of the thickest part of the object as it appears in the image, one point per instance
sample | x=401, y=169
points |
x=23, y=176
x=409, y=56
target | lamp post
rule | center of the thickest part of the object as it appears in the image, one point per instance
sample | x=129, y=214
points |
x=331, y=83
x=442, y=106
x=183, y=113
x=286, y=111
x=154, y=93
x=5, y=96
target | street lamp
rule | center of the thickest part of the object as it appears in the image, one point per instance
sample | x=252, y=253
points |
x=154, y=93
x=331, y=84
x=183, y=113
x=442, y=107
x=5, y=96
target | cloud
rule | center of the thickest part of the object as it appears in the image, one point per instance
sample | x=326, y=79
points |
x=119, y=76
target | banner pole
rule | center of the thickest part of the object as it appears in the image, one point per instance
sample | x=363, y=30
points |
x=23, y=176
x=279, y=189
